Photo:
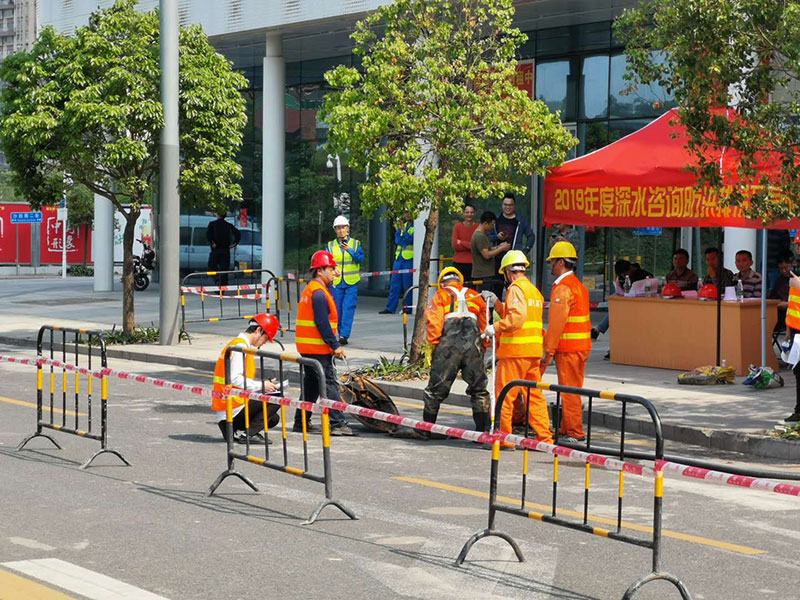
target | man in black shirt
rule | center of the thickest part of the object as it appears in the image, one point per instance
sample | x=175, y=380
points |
x=780, y=290
x=222, y=236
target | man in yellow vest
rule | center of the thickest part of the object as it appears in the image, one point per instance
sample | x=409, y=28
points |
x=403, y=261
x=348, y=254
x=569, y=336
x=519, y=348
x=261, y=328
x=315, y=337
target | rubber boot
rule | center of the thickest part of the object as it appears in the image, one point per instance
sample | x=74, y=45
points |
x=481, y=423
x=430, y=417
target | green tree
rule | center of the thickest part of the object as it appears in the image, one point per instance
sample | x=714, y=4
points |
x=87, y=109
x=717, y=54
x=435, y=115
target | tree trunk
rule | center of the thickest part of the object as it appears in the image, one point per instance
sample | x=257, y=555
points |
x=128, y=314
x=418, y=338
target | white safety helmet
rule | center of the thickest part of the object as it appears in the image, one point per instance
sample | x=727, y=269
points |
x=341, y=220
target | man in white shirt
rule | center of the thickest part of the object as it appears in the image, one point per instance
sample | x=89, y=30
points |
x=241, y=375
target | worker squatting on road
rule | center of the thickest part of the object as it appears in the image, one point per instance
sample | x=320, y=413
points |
x=315, y=337
x=262, y=327
x=568, y=336
x=348, y=254
x=519, y=344
x=456, y=317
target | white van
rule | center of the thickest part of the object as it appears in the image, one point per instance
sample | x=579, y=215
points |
x=195, y=248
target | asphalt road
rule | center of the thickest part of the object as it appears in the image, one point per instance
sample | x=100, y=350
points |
x=151, y=527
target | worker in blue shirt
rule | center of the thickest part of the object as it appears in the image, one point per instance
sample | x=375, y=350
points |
x=348, y=254
x=403, y=259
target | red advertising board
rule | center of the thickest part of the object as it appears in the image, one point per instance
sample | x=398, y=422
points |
x=50, y=238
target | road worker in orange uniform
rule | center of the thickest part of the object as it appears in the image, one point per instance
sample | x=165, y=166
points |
x=456, y=317
x=519, y=344
x=569, y=336
x=261, y=328
x=316, y=337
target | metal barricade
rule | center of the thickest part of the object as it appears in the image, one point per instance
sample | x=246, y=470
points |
x=653, y=544
x=282, y=464
x=74, y=427
x=258, y=292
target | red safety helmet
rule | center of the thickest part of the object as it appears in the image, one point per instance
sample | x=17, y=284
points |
x=671, y=290
x=321, y=259
x=796, y=239
x=707, y=292
x=268, y=323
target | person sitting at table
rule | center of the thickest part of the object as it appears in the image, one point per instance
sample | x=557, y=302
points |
x=780, y=290
x=681, y=275
x=712, y=264
x=751, y=281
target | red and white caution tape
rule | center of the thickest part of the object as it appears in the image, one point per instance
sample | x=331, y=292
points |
x=206, y=290
x=606, y=462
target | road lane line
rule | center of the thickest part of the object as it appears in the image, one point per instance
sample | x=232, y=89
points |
x=45, y=409
x=73, y=578
x=686, y=537
x=14, y=587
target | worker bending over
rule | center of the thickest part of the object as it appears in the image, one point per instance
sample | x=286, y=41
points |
x=519, y=349
x=456, y=317
x=569, y=335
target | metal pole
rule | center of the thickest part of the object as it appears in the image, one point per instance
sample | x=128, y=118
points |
x=169, y=201
x=764, y=298
x=64, y=243
x=16, y=241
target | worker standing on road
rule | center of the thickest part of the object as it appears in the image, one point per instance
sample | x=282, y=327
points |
x=315, y=337
x=403, y=260
x=520, y=338
x=262, y=327
x=568, y=337
x=348, y=254
x=456, y=317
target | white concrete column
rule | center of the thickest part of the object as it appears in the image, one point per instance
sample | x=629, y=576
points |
x=686, y=241
x=738, y=238
x=103, y=244
x=273, y=143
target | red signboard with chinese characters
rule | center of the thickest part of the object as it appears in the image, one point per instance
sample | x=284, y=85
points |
x=641, y=181
x=523, y=78
x=50, y=238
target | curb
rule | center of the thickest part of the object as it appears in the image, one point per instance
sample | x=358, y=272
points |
x=718, y=439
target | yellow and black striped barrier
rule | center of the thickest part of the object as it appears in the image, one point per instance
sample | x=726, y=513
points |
x=266, y=461
x=75, y=398
x=248, y=297
x=509, y=393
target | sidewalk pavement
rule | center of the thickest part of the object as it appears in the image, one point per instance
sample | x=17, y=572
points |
x=731, y=417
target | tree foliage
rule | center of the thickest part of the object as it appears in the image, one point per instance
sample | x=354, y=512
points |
x=434, y=114
x=742, y=55
x=86, y=109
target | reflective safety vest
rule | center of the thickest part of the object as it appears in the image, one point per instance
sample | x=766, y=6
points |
x=577, y=334
x=793, y=310
x=526, y=342
x=462, y=303
x=307, y=337
x=219, y=404
x=347, y=266
x=406, y=252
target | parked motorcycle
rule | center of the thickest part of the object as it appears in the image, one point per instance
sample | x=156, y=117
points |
x=142, y=267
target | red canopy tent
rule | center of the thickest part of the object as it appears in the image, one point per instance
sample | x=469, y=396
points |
x=641, y=180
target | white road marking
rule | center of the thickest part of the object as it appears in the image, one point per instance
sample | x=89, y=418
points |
x=28, y=543
x=73, y=578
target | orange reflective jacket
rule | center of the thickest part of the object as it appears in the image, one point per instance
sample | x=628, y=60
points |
x=520, y=329
x=569, y=328
x=793, y=310
x=444, y=305
x=307, y=337
x=219, y=404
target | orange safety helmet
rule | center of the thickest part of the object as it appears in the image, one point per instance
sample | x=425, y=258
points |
x=268, y=323
x=671, y=290
x=707, y=292
x=321, y=259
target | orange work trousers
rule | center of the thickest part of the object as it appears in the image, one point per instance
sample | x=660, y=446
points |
x=509, y=369
x=571, y=367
